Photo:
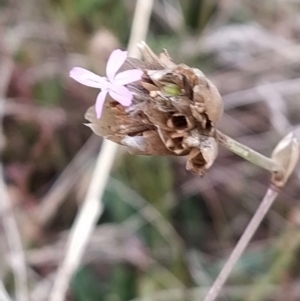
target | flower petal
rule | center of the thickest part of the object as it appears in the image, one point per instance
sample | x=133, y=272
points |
x=128, y=76
x=88, y=78
x=115, y=61
x=121, y=94
x=100, y=102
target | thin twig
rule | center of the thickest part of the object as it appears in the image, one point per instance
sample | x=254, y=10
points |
x=256, y=220
x=92, y=206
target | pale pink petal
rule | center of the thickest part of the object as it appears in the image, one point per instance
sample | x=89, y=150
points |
x=100, y=102
x=88, y=78
x=121, y=94
x=127, y=77
x=115, y=61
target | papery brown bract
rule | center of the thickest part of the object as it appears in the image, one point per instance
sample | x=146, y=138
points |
x=286, y=154
x=174, y=111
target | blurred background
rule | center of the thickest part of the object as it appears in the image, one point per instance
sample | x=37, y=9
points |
x=163, y=230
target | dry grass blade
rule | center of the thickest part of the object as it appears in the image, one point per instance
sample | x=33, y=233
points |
x=13, y=238
x=56, y=195
x=93, y=207
x=3, y=293
x=147, y=211
x=16, y=255
x=85, y=222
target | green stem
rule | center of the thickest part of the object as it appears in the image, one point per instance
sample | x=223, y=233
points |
x=247, y=153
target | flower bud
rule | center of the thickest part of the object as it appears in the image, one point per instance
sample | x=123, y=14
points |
x=286, y=155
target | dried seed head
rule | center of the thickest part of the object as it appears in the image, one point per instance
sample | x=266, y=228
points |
x=174, y=111
x=286, y=154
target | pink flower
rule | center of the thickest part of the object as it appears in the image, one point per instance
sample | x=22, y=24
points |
x=113, y=84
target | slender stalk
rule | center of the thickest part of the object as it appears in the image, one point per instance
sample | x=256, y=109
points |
x=92, y=207
x=256, y=220
x=247, y=153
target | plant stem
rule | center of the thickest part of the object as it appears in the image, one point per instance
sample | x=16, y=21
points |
x=247, y=153
x=256, y=220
